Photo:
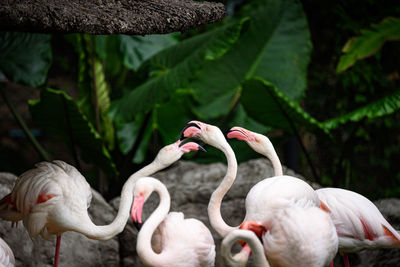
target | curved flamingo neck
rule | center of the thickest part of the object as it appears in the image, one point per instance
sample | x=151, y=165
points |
x=105, y=232
x=85, y=226
x=241, y=258
x=214, y=206
x=143, y=245
x=268, y=151
x=276, y=163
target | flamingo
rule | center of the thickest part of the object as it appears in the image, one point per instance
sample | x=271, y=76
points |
x=54, y=197
x=359, y=224
x=241, y=258
x=299, y=234
x=260, y=199
x=184, y=242
x=6, y=255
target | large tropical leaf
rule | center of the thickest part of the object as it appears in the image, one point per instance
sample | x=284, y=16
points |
x=25, y=57
x=381, y=107
x=94, y=92
x=369, y=42
x=269, y=106
x=174, y=67
x=137, y=49
x=276, y=47
x=60, y=115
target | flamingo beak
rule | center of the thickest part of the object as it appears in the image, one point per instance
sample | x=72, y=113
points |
x=191, y=146
x=238, y=133
x=190, y=130
x=253, y=226
x=136, y=211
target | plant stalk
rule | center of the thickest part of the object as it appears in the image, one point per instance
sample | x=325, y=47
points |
x=39, y=149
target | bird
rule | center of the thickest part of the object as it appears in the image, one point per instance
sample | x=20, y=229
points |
x=260, y=200
x=259, y=143
x=183, y=242
x=299, y=234
x=6, y=255
x=53, y=198
x=359, y=223
x=240, y=259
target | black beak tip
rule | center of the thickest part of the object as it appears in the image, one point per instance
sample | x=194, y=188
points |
x=138, y=225
x=202, y=149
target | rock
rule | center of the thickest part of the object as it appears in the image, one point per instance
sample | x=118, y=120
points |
x=76, y=249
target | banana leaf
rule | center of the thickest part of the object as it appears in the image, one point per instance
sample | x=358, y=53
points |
x=173, y=68
x=269, y=106
x=276, y=48
x=381, y=107
x=60, y=115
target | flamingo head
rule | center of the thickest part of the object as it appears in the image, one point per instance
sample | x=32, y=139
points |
x=253, y=226
x=258, y=142
x=208, y=133
x=142, y=191
x=173, y=152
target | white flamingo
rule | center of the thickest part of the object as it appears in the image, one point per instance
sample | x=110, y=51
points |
x=299, y=234
x=6, y=255
x=261, y=198
x=240, y=259
x=359, y=224
x=54, y=197
x=184, y=242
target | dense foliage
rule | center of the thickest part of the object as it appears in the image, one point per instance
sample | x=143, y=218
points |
x=253, y=69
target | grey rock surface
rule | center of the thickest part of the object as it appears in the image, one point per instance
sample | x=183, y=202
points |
x=76, y=249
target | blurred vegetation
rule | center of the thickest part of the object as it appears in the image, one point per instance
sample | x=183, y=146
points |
x=325, y=74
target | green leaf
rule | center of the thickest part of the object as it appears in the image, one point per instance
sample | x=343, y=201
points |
x=128, y=132
x=381, y=107
x=25, y=57
x=137, y=49
x=59, y=114
x=269, y=106
x=370, y=41
x=170, y=117
x=174, y=67
x=276, y=47
x=94, y=92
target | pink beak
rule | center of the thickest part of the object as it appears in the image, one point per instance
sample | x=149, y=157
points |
x=136, y=211
x=239, y=133
x=190, y=130
x=191, y=146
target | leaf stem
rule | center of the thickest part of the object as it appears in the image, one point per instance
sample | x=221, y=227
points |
x=70, y=134
x=39, y=149
x=298, y=137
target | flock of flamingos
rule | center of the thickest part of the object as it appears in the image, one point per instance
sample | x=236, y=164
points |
x=287, y=222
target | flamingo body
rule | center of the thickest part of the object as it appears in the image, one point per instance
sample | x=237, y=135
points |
x=53, y=198
x=275, y=193
x=300, y=235
x=6, y=255
x=181, y=242
x=358, y=222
